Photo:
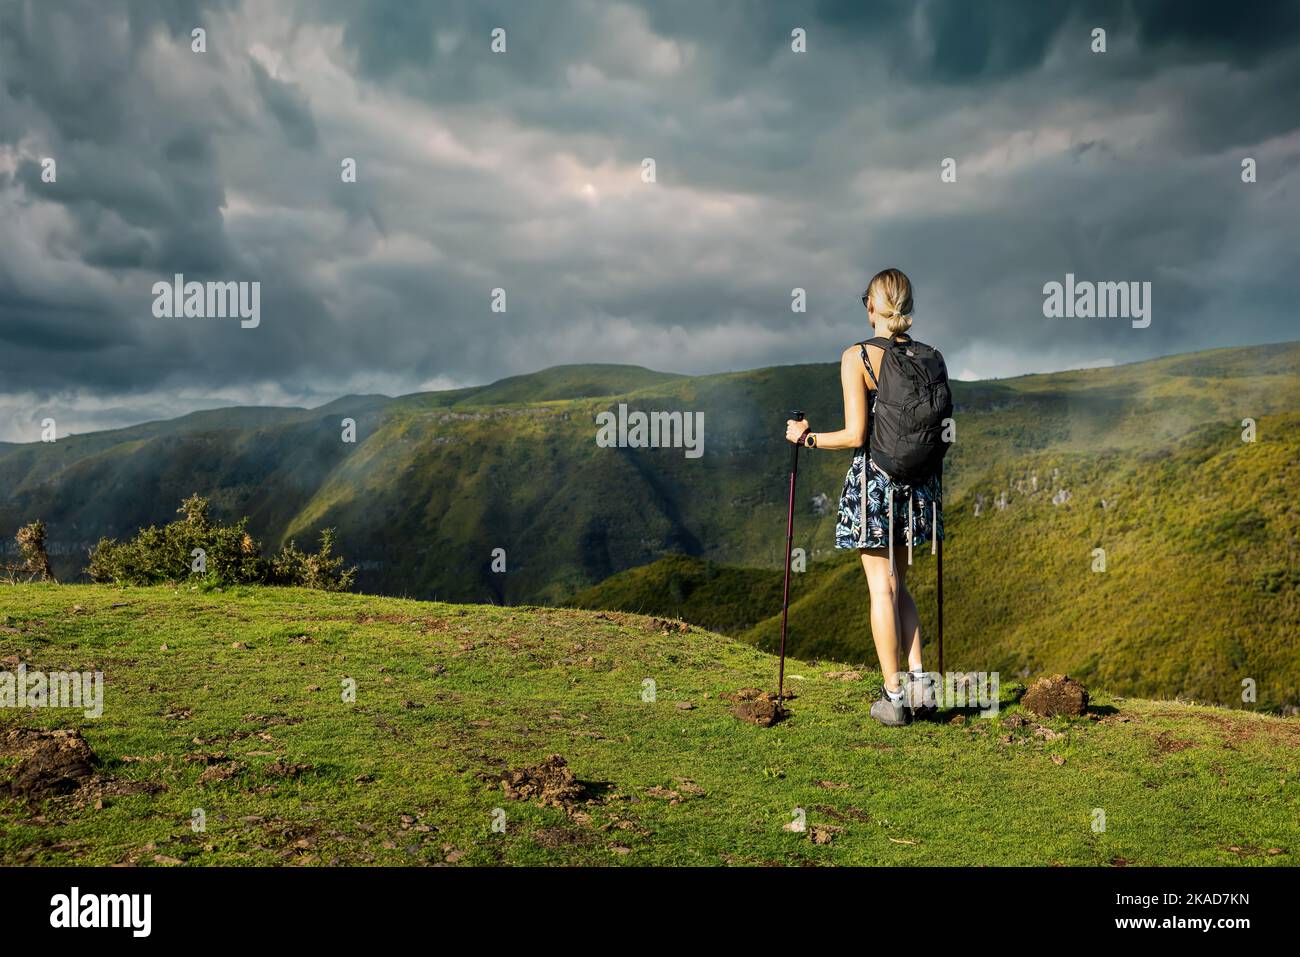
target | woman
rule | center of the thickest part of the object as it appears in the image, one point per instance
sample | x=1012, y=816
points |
x=864, y=525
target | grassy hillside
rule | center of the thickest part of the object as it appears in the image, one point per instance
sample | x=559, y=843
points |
x=230, y=703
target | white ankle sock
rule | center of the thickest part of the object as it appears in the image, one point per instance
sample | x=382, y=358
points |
x=895, y=696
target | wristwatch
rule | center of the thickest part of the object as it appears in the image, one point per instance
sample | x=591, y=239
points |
x=810, y=439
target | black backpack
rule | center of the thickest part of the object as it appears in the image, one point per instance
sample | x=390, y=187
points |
x=912, y=400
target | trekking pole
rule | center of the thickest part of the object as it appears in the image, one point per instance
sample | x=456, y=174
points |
x=789, y=544
x=938, y=572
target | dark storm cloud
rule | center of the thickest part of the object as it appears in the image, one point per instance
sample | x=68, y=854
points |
x=288, y=106
x=521, y=171
x=1242, y=34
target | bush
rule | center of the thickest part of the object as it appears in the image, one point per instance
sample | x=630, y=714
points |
x=35, y=562
x=323, y=570
x=218, y=555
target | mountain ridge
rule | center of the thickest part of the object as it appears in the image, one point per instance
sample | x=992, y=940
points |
x=436, y=485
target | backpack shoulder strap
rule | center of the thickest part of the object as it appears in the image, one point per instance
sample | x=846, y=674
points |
x=862, y=348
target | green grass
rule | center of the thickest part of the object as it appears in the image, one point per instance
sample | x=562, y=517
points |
x=496, y=688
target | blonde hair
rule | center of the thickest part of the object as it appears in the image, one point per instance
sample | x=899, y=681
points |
x=890, y=292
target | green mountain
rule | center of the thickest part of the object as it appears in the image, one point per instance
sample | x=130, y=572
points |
x=1199, y=528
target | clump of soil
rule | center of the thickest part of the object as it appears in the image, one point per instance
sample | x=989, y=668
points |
x=223, y=771
x=823, y=833
x=756, y=707
x=667, y=627
x=287, y=769
x=1057, y=695
x=51, y=763
x=550, y=783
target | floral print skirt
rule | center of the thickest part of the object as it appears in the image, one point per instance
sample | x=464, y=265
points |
x=918, y=510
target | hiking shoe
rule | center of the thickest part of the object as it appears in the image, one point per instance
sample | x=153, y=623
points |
x=890, y=714
x=919, y=696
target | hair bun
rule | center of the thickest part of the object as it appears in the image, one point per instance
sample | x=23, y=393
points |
x=892, y=292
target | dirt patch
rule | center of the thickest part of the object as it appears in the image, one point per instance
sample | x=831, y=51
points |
x=689, y=787
x=363, y=618
x=270, y=719
x=553, y=838
x=287, y=769
x=1249, y=850
x=756, y=707
x=221, y=772
x=50, y=763
x=842, y=814
x=1168, y=744
x=1236, y=730
x=205, y=757
x=550, y=783
x=1056, y=695
x=99, y=792
x=844, y=675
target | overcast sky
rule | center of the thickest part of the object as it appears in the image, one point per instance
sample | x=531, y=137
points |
x=523, y=170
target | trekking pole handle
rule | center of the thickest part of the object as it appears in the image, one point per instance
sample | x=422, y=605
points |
x=797, y=415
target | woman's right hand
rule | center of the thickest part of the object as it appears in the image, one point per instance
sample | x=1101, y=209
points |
x=795, y=430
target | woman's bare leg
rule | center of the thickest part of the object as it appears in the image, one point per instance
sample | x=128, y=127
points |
x=909, y=623
x=884, y=624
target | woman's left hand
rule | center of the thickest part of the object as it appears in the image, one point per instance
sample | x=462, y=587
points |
x=795, y=429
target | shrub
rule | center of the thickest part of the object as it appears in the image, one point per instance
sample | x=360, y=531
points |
x=218, y=555
x=323, y=570
x=35, y=562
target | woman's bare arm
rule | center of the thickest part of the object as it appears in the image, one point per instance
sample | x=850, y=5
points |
x=854, y=383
